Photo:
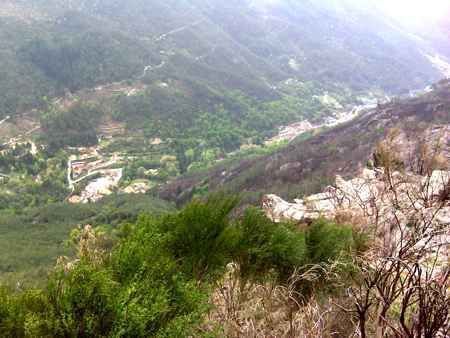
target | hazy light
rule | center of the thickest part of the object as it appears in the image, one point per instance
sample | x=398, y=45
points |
x=416, y=11
x=420, y=12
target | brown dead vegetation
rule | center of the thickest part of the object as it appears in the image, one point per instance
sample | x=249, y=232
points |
x=400, y=286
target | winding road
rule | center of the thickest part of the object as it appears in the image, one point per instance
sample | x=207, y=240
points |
x=5, y=119
x=178, y=30
x=150, y=68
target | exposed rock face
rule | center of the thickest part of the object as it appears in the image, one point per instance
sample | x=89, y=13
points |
x=380, y=194
x=390, y=204
x=398, y=207
x=369, y=196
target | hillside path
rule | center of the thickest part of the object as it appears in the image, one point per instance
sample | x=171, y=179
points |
x=5, y=119
x=178, y=30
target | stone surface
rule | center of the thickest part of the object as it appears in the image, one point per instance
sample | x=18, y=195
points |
x=368, y=196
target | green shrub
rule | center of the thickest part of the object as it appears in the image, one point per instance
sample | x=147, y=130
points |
x=327, y=241
x=198, y=234
x=82, y=301
x=261, y=246
x=155, y=281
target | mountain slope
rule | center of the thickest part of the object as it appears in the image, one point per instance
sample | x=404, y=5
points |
x=251, y=46
x=305, y=166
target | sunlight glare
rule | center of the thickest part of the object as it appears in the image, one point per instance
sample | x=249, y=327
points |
x=416, y=10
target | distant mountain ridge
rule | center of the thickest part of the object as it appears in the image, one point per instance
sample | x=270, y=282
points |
x=250, y=46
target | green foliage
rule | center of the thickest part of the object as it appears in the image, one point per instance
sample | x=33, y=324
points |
x=198, y=235
x=261, y=246
x=156, y=293
x=326, y=241
x=34, y=179
x=139, y=292
x=50, y=46
x=20, y=159
x=157, y=278
x=204, y=132
x=83, y=59
x=20, y=313
x=81, y=301
x=72, y=127
x=32, y=239
x=44, y=58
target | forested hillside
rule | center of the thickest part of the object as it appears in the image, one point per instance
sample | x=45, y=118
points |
x=106, y=97
x=311, y=161
x=176, y=86
x=143, y=144
x=51, y=47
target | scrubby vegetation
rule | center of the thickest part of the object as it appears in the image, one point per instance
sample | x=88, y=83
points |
x=154, y=277
x=32, y=238
x=195, y=88
x=212, y=269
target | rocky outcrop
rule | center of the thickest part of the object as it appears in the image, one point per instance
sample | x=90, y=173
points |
x=369, y=196
x=397, y=207
x=403, y=211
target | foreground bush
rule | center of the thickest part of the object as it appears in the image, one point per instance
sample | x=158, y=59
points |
x=157, y=280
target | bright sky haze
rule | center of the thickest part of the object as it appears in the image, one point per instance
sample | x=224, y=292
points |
x=416, y=11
